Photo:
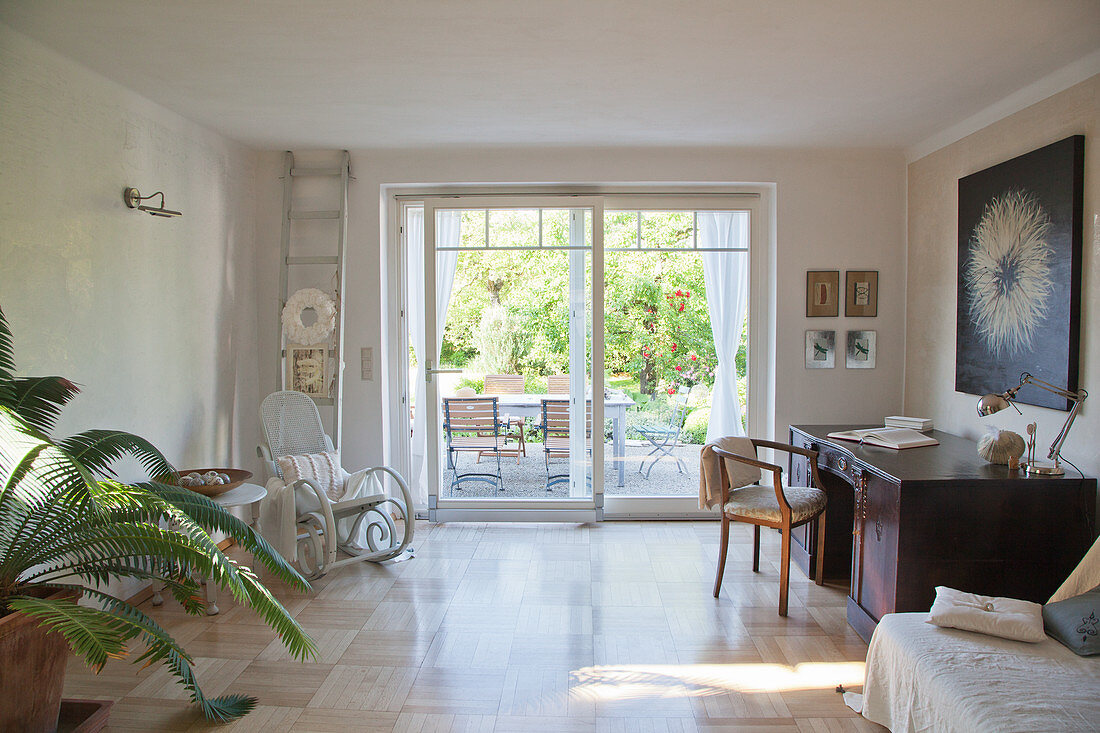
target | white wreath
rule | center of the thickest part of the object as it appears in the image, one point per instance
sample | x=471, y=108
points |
x=325, y=308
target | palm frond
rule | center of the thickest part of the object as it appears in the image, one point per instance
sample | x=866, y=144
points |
x=7, y=360
x=124, y=622
x=39, y=400
x=91, y=633
x=97, y=450
x=143, y=545
x=214, y=518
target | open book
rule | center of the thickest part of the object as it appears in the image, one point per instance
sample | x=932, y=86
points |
x=896, y=438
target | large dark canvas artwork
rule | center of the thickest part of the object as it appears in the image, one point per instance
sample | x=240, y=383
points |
x=1019, y=301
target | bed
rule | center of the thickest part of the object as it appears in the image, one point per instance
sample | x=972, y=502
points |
x=925, y=678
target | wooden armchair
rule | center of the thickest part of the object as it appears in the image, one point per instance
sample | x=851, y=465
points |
x=772, y=506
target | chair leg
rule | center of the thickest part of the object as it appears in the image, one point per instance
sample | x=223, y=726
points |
x=725, y=543
x=820, y=577
x=785, y=571
x=756, y=548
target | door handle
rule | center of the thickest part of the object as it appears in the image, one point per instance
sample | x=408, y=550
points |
x=428, y=371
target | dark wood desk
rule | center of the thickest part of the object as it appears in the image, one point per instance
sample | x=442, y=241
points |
x=938, y=515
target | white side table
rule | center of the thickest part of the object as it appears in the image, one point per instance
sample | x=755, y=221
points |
x=243, y=495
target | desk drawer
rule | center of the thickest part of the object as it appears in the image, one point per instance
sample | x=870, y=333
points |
x=832, y=459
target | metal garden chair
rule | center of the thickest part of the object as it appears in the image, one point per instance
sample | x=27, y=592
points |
x=472, y=425
x=665, y=437
x=555, y=436
x=325, y=528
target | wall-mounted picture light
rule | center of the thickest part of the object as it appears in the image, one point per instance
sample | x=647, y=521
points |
x=133, y=199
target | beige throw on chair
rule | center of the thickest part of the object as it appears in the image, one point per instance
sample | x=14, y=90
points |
x=710, y=469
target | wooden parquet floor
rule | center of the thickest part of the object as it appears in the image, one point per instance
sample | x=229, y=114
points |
x=536, y=627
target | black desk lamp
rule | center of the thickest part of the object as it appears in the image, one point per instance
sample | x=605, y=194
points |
x=992, y=403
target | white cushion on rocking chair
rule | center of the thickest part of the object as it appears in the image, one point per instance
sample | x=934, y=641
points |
x=322, y=468
x=759, y=502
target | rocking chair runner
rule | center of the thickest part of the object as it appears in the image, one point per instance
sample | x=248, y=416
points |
x=323, y=527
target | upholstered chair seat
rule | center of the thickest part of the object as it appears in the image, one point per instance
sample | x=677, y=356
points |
x=759, y=502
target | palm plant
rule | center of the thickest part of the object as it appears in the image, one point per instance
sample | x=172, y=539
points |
x=67, y=521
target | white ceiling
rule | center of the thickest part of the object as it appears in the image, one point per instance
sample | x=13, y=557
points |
x=416, y=73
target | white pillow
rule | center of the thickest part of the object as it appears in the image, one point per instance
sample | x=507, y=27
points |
x=1008, y=618
x=322, y=468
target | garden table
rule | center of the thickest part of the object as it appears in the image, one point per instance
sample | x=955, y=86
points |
x=529, y=405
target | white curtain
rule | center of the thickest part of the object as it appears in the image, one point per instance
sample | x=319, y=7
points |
x=447, y=232
x=726, y=275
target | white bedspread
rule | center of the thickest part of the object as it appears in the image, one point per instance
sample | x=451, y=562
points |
x=924, y=678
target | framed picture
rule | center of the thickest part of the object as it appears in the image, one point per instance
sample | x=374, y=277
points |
x=307, y=369
x=1019, y=279
x=860, y=353
x=822, y=293
x=820, y=349
x=861, y=293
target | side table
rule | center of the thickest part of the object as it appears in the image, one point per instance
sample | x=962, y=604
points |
x=244, y=495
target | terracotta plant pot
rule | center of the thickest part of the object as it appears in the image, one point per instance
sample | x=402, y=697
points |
x=32, y=673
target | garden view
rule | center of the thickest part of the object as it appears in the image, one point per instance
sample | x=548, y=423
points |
x=508, y=312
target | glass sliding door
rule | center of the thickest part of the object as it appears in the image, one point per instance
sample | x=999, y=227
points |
x=506, y=424
x=676, y=342
x=513, y=300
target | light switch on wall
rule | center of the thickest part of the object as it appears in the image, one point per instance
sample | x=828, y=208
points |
x=367, y=356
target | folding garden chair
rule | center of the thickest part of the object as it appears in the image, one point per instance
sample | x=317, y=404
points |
x=665, y=437
x=557, y=384
x=555, y=436
x=472, y=425
x=498, y=384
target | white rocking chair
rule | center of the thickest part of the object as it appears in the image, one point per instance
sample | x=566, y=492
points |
x=292, y=426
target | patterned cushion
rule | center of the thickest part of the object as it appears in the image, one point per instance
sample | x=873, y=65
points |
x=759, y=502
x=321, y=468
x=1076, y=622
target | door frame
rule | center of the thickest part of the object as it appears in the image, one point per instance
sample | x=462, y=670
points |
x=572, y=509
x=762, y=315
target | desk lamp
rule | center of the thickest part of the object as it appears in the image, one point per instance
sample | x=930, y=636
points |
x=992, y=403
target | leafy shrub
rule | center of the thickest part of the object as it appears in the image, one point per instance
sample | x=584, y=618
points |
x=476, y=383
x=695, y=427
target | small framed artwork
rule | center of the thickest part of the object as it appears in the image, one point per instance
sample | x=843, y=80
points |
x=306, y=368
x=861, y=294
x=820, y=349
x=860, y=353
x=822, y=293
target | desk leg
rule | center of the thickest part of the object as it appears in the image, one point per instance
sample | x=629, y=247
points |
x=618, y=430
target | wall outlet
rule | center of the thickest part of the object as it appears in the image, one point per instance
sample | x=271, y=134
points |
x=367, y=357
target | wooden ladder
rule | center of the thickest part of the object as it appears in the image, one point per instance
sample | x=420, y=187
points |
x=286, y=261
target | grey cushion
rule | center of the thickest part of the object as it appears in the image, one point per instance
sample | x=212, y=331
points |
x=759, y=502
x=1076, y=622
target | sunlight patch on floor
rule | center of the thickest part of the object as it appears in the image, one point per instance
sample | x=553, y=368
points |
x=634, y=681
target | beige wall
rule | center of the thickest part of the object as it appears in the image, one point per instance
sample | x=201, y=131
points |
x=154, y=317
x=932, y=257
x=835, y=210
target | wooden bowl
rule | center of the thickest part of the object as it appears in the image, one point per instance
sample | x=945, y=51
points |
x=237, y=476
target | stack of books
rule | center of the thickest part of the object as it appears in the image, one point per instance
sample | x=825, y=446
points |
x=913, y=423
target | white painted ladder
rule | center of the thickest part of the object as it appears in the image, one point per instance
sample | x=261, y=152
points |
x=286, y=261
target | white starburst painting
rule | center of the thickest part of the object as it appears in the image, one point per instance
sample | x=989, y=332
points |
x=1008, y=274
x=1019, y=273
